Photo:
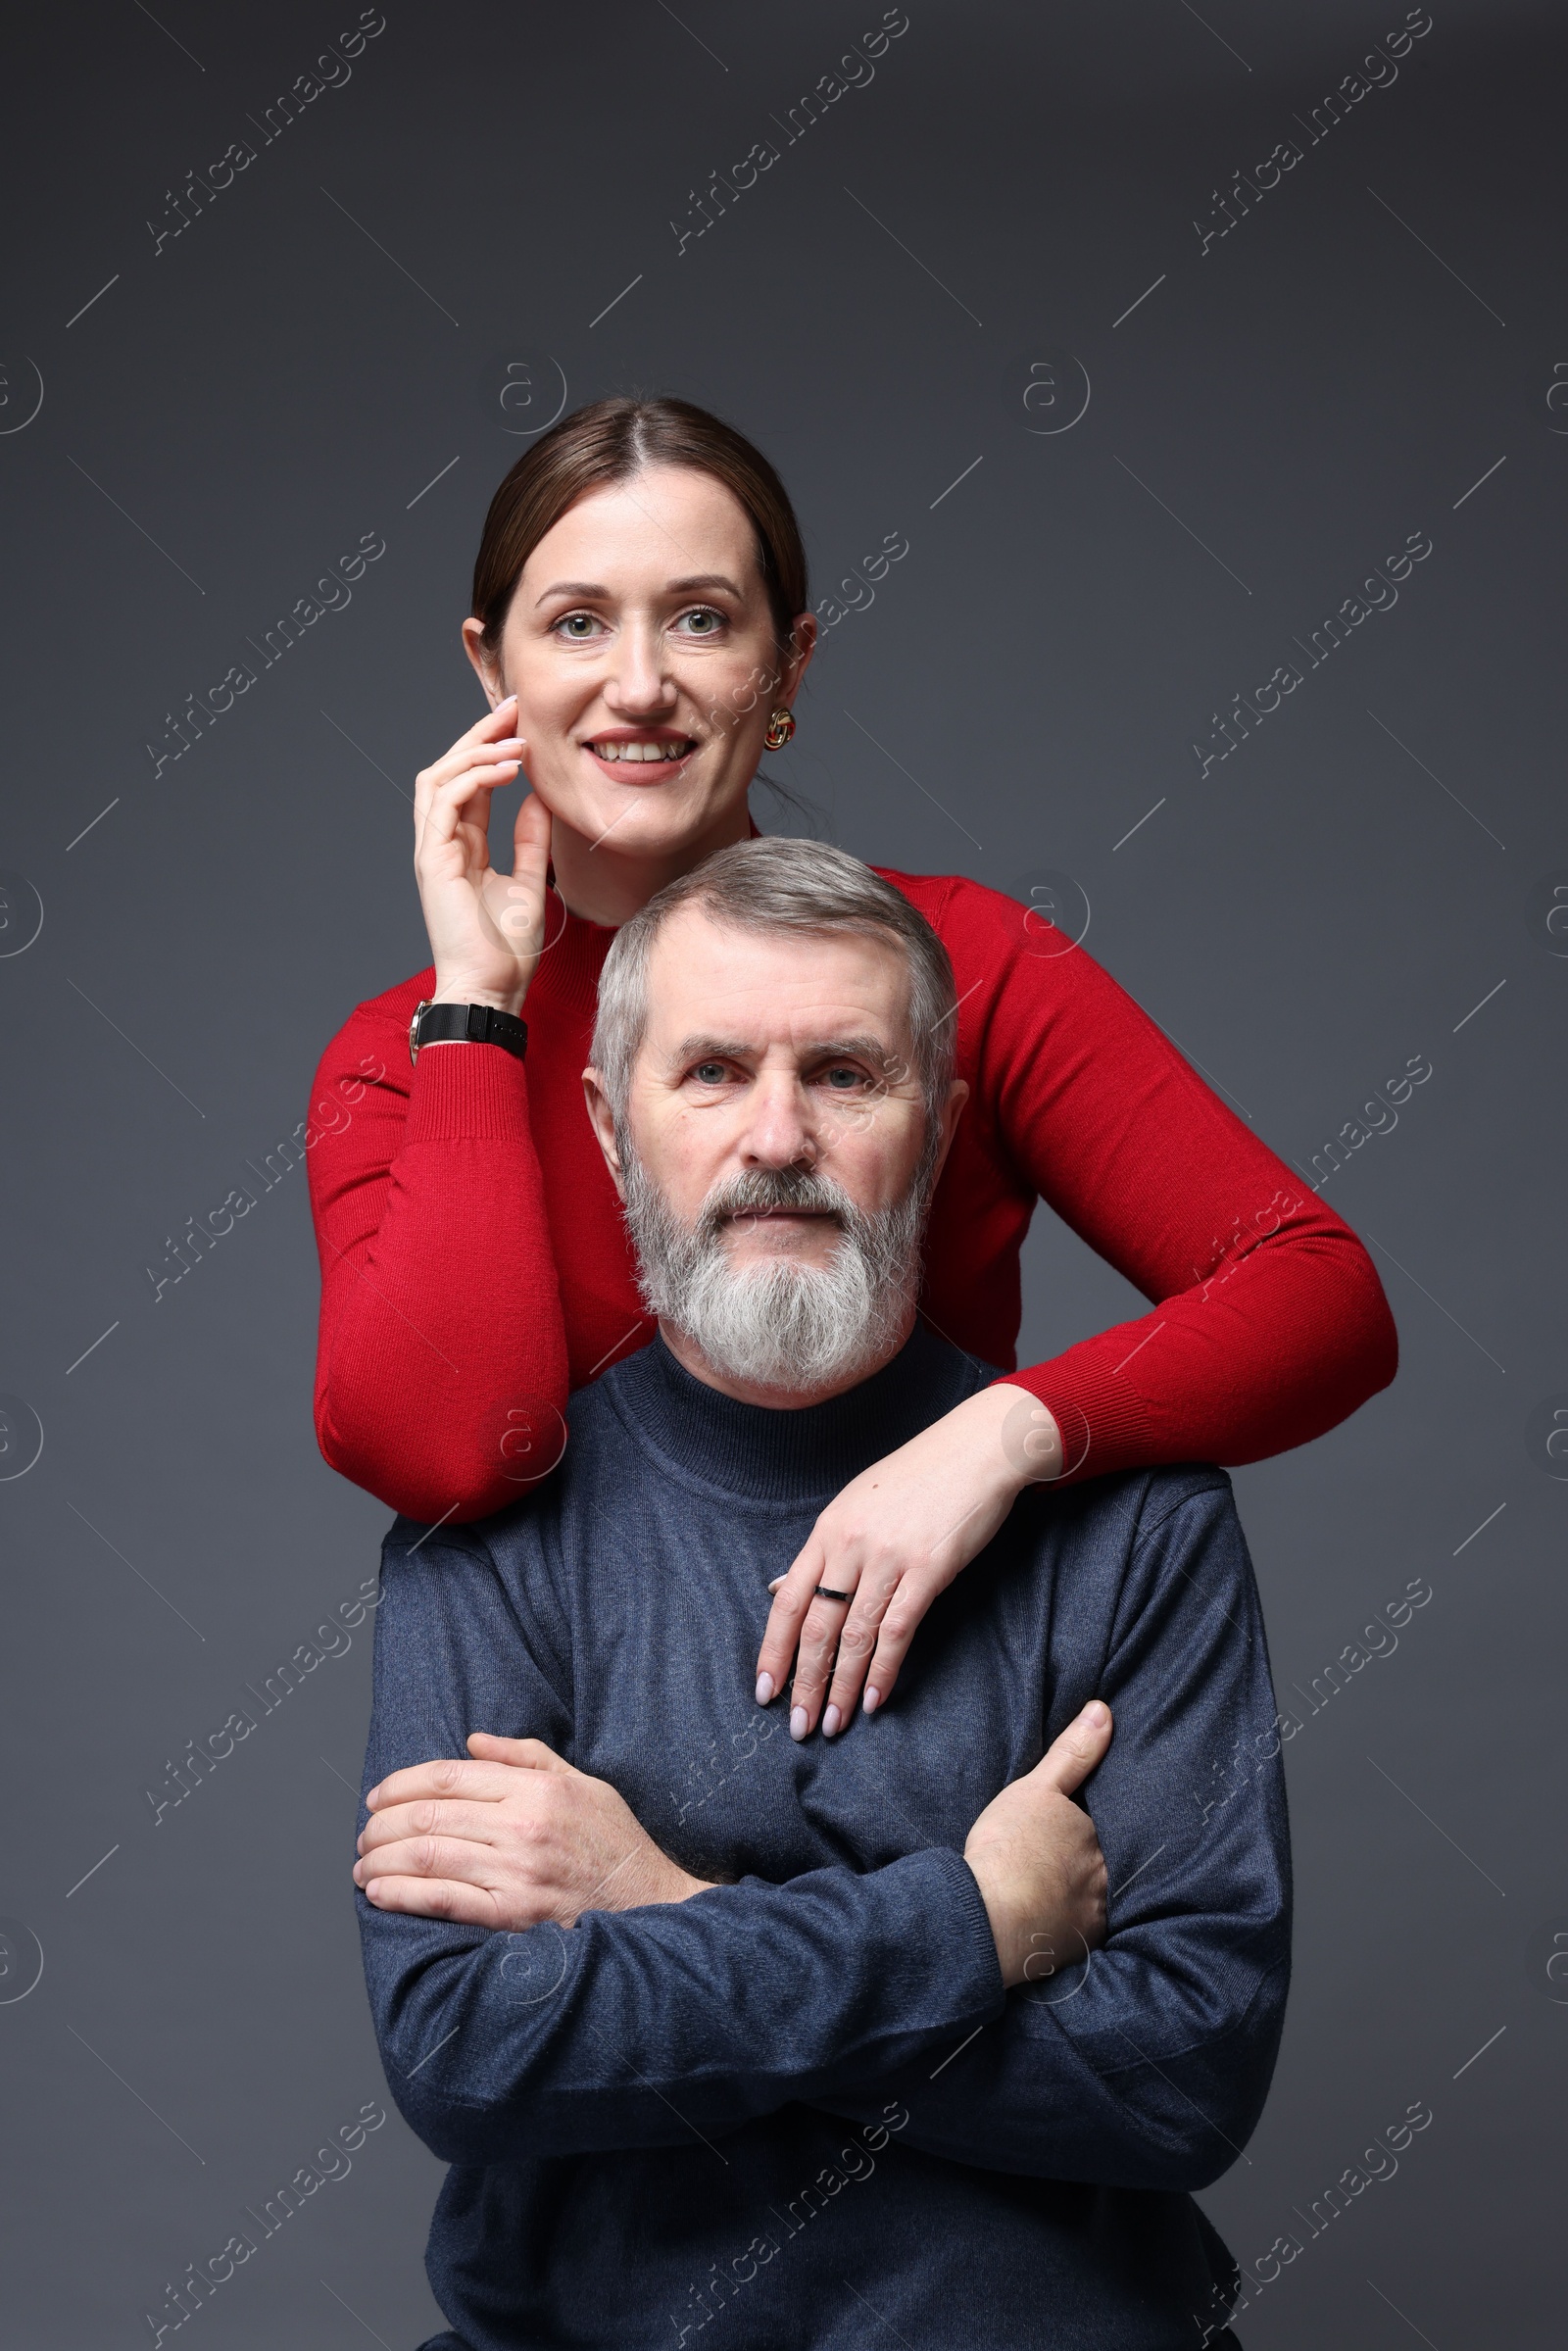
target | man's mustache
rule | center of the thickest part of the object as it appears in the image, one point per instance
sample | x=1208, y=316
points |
x=780, y=1189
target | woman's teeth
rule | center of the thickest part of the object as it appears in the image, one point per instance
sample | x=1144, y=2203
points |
x=642, y=751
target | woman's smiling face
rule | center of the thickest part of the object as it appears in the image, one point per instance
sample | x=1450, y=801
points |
x=642, y=648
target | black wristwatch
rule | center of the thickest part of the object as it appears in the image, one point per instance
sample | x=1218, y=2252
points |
x=468, y=1024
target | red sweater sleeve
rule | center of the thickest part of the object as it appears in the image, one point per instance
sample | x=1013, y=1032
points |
x=1271, y=1325
x=442, y=1365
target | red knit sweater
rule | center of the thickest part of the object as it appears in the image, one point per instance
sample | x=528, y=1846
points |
x=474, y=1267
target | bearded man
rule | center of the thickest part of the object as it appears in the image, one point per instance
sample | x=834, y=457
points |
x=813, y=2039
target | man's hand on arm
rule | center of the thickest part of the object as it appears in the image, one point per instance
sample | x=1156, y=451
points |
x=509, y=1840
x=1037, y=1860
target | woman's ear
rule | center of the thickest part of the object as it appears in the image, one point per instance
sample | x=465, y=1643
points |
x=604, y=1125
x=798, y=652
x=487, y=670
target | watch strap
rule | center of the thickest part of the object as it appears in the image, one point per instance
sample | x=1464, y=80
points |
x=466, y=1024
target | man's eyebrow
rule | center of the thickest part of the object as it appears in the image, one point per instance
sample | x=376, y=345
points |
x=697, y=1048
x=596, y=591
x=851, y=1048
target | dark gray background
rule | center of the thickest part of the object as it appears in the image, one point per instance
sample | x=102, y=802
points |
x=232, y=413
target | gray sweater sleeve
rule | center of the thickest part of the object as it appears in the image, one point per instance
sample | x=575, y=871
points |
x=1147, y=2065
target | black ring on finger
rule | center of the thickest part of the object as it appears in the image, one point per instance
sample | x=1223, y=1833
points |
x=823, y=1592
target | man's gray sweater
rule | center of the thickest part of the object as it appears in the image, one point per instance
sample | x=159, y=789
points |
x=799, y=2110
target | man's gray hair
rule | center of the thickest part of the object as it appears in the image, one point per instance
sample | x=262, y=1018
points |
x=775, y=886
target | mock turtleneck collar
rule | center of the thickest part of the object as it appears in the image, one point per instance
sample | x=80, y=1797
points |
x=573, y=957
x=770, y=1455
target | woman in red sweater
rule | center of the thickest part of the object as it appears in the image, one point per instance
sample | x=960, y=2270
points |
x=640, y=630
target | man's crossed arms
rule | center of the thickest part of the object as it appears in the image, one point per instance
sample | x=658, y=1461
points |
x=518, y=1836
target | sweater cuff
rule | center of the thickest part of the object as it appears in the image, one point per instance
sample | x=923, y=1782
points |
x=467, y=1094
x=1104, y=1423
x=947, y=1896
x=979, y=1941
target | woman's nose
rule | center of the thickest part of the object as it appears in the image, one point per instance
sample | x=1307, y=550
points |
x=641, y=680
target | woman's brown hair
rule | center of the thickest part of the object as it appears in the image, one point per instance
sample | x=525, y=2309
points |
x=608, y=441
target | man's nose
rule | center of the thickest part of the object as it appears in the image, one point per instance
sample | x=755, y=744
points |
x=641, y=684
x=780, y=1131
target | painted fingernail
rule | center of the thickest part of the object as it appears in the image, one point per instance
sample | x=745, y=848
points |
x=831, y=1721
x=765, y=1690
x=872, y=1702
x=506, y=702
x=797, y=1723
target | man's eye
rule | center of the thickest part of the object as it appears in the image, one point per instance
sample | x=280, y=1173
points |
x=703, y=622
x=843, y=1080
x=710, y=1073
x=576, y=627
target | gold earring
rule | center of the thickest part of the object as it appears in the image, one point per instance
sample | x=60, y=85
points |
x=780, y=727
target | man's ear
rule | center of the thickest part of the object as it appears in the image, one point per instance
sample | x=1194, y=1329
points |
x=957, y=1096
x=603, y=1124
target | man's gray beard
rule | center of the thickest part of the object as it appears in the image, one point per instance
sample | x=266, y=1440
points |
x=781, y=1323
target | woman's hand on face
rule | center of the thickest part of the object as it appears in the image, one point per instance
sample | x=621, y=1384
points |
x=895, y=1537
x=487, y=929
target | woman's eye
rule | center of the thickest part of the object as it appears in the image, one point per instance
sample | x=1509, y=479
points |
x=576, y=627
x=704, y=622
